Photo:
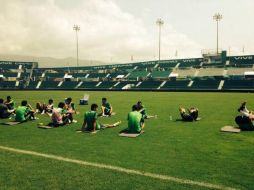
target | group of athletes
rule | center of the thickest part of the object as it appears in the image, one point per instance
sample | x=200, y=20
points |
x=63, y=114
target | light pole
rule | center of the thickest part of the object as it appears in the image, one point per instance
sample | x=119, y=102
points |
x=159, y=22
x=77, y=29
x=217, y=17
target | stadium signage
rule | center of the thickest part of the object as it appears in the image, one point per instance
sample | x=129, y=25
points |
x=12, y=63
x=244, y=58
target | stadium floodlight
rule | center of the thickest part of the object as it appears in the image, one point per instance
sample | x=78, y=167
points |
x=76, y=28
x=217, y=17
x=159, y=22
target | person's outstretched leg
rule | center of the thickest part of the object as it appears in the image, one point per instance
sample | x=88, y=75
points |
x=111, y=125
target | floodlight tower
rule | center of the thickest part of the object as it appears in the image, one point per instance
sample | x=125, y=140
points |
x=76, y=28
x=159, y=22
x=217, y=17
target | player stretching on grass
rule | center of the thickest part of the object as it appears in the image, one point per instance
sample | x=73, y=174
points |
x=135, y=121
x=70, y=108
x=10, y=103
x=4, y=111
x=60, y=116
x=43, y=108
x=245, y=112
x=90, y=121
x=106, y=108
x=24, y=112
x=141, y=108
x=191, y=115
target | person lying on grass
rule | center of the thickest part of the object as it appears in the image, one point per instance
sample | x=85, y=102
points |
x=141, y=108
x=10, y=103
x=91, y=123
x=60, y=116
x=4, y=111
x=135, y=121
x=106, y=108
x=45, y=108
x=24, y=112
x=245, y=112
x=191, y=115
x=244, y=123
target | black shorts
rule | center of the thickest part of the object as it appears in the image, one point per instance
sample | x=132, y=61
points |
x=186, y=117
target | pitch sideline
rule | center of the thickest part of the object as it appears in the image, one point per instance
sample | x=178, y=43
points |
x=120, y=169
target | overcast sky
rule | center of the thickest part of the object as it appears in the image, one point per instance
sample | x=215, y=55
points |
x=115, y=30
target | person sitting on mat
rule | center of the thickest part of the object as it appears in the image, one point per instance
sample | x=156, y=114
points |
x=245, y=112
x=24, y=112
x=60, y=116
x=43, y=108
x=70, y=109
x=106, y=108
x=70, y=105
x=4, y=111
x=191, y=115
x=135, y=121
x=141, y=108
x=10, y=103
x=91, y=123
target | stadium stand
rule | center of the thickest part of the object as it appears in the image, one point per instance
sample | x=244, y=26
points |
x=149, y=85
x=9, y=74
x=238, y=84
x=32, y=84
x=238, y=71
x=160, y=74
x=138, y=74
x=185, y=72
x=178, y=84
x=125, y=84
x=68, y=85
x=210, y=72
x=106, y=84
x=178, y=74
x=97, y=75
x=88, y=85
x=49, y=85
x=7, y=84
x=205, y=84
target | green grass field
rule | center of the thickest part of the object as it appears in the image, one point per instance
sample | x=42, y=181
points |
x=195, y=151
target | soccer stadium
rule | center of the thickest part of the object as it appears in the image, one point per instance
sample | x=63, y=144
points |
x=162, y=122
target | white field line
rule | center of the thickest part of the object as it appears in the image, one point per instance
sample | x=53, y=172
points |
x=120, y=169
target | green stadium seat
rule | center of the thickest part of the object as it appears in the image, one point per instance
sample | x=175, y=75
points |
x=149, y=85
x=160, y=74
x=205, y=84
x=32, y=84
x=238, y=84
x=135, y=74
x=7, y=84
x=88, y=84
x=49, y=85
x=124, y=83
x=68, y=85
x=106, y=84
x=178, y=84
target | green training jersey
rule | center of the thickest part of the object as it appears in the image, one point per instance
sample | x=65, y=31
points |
x=134, y=122
x=21, y=112
x=107, y=107
x=90, y=117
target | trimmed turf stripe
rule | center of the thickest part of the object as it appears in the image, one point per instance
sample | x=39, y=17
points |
x=120, y=169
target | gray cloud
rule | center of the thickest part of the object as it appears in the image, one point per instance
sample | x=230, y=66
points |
x=44, y=28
